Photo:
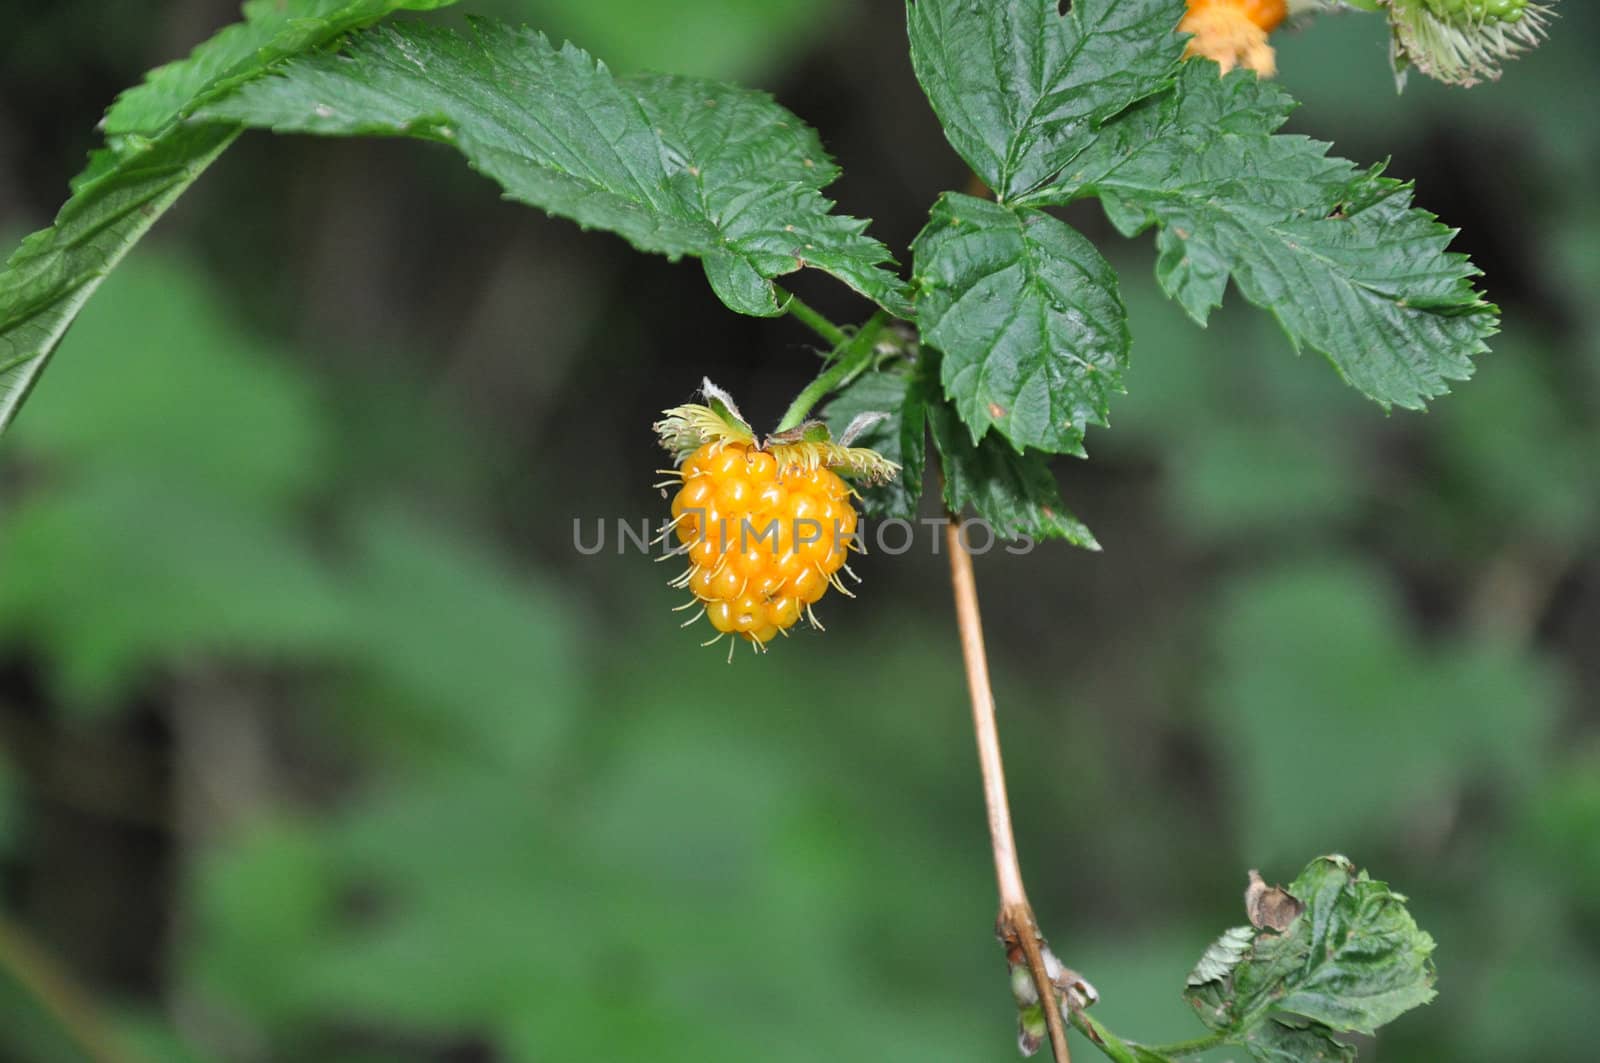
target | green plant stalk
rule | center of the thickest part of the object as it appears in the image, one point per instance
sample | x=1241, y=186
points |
x=1121, y=1051
x=1193, y=1046
x=1103, y=1039
x=852, y=355
x=808, y=317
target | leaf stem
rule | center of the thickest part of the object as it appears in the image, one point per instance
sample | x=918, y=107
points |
x=1122, y=1051
x=848, y=358
x=1191, y=1047
x=1016, y=924
x=1113, y=1046
x=803, y=313
x=56, y=994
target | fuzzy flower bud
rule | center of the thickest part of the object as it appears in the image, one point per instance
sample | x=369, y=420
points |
x=1463, y=42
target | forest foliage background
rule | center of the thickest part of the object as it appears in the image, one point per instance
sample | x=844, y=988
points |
x=320, y=741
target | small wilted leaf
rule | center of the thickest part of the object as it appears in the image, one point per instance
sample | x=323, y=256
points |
x=1270, y=907
x=1351, y=960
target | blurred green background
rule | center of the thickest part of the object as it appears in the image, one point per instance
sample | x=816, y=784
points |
x=320, y=742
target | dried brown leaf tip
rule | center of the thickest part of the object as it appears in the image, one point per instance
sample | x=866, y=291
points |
x=1270, y=907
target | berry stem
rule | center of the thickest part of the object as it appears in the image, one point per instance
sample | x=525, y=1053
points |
x=1016, y=923
x=850, y=356
x=801, y=312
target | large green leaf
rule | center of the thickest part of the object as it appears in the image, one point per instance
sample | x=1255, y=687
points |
x=151, y=161
x=56, y=270
x=1337, y=255
x=1015, y=493
x=271, y=30
x=1021, y=88
x=677, y=166
x=1352, y=960
x=1026, y=311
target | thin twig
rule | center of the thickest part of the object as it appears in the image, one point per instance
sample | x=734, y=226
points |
x=41, y=978
x=1016, y=924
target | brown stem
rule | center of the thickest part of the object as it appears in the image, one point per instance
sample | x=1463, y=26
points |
x=41, y=978
x=1017, y=926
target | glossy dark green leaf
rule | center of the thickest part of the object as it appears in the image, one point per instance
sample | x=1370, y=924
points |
x=677, y=166
x=56, y=270
x=901, y=436
x=1338, y=256
x=1026, y=311
x=271, y=30
x=1016, y=493
x=150, y=162
x=1020, y=87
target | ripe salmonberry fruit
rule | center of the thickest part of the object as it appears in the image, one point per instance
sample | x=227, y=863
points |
x=766, y=526
x=1234, y=32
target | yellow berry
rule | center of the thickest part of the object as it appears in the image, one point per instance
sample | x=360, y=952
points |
x=764, y=540
x=1234, y=32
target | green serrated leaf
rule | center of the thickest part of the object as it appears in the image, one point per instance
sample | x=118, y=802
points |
x=1352, y=961
x=1020, y=88
x=1016, y=493
x=901, y=436
x=677, y=166
x=1026, y=311
x=56, y=270
x=271, y=30
x=150, y=163
x=1370, y=963
x=1222, y=956
x=1278, y=1042
x=1339, y=256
